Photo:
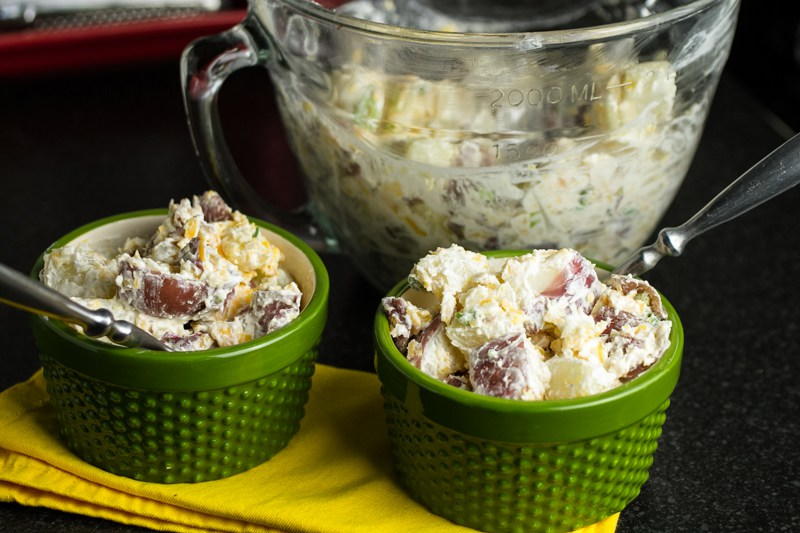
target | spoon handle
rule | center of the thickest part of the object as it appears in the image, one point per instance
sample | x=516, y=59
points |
x=20, y=291
x=776, y=173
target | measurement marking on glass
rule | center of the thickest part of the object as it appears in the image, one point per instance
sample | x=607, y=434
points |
x=539, y=97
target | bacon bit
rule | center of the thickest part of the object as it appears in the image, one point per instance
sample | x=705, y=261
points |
x=189, y=253
x=184, y=344
x=616, y=319
x=634, y=372
x=396, y=311
x=626, y=285
x=459, y=380
x=540, y=338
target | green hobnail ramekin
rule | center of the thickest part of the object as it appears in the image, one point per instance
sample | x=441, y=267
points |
x=503, y=465
x=184, y=416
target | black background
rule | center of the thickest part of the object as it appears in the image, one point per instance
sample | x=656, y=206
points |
x=76, y=146
x=765, y=56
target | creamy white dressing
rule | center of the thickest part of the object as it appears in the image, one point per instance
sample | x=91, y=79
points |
x=195, y=283
x=531, y=327
x=398, y=165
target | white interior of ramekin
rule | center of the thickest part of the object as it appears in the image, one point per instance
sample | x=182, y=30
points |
x=420, y=298
x=108, y=238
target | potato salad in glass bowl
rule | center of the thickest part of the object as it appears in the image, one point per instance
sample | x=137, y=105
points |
x=399, y=165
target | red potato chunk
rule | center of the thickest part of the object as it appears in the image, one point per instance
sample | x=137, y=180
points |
x=534, y=310
x=214, y=207
x=275, y=308
x=505, y=368
x=161, y=294
x=432, y=352
x=578, y=274
x=427, y=334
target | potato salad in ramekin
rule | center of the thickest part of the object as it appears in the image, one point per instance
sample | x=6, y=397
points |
x=207, y=277
x=535, y=326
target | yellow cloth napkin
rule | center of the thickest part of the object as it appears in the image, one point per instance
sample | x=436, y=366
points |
x=334, y=476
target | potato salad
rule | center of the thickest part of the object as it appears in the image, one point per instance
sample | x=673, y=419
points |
x=531, y=327
x=397, y=165
x=206, y=278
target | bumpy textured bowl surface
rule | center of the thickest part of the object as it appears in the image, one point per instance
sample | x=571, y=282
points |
x=183, y=417
x=512, y=466
x=495, y=486
x=178, y=437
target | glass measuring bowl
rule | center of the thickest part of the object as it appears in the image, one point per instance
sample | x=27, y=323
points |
x=412, y=139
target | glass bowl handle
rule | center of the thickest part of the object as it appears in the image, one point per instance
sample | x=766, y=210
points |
x=205, y=65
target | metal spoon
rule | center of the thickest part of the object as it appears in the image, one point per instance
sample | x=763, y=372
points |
x=469, y=15
x=773, y=175
x=20, y=291
x=497, y=16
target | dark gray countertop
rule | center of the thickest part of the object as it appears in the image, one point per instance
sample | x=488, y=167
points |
x=74, y=149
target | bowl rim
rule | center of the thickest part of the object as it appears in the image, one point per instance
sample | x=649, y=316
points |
x=440, y=402
x=521, y=40
x=150, y=369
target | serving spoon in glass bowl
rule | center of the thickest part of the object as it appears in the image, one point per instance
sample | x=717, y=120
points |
x=20, y=291
x=775, y=174
x=498, y=16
